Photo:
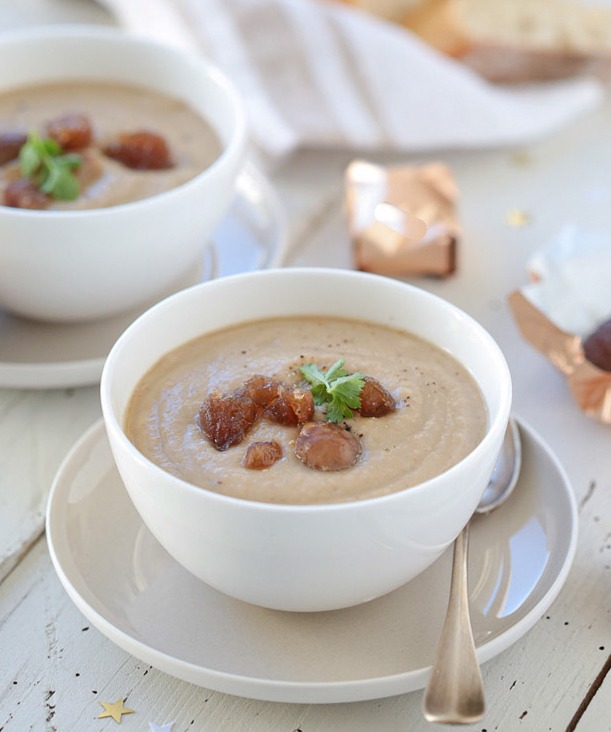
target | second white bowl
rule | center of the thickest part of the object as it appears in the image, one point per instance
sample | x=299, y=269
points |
x=81, y=265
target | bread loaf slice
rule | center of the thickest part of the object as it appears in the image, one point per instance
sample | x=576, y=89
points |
x=517, y=40
x=509, y=40
x=394, y=10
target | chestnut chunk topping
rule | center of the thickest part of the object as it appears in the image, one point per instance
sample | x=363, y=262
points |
x=597, y=346
x=261, y=455
x=261, y=389
x=225, y=419
x=291, y=407
x=22, y=193
x=71, y=132
x=10, y=145
x=376, y=401
x=327, y=446
x=140, y=150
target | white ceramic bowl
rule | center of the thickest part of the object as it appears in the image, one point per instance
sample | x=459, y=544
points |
x=81, y=265
x=317, y=557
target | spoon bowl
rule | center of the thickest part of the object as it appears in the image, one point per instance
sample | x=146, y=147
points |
x=455, y=692
x=506, y=471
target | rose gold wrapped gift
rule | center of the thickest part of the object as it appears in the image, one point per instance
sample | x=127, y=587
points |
x=402, y=219
x=564, y=313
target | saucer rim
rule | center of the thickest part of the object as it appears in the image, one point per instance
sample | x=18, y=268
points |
x=313, y=692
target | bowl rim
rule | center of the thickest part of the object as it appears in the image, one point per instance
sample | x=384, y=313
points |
x=117, y=36
x=496, y=422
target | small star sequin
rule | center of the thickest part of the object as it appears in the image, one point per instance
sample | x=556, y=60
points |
x=522, y=157
x=115, y=710
x=517, y=218
x=164, y=727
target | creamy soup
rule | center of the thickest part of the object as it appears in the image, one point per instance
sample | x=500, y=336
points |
x=439, y=418
x=113, y=110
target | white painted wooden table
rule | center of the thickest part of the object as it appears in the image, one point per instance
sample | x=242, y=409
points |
x=55, y=668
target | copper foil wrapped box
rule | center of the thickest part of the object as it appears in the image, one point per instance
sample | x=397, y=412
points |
x=565, y=314
x=402, y=219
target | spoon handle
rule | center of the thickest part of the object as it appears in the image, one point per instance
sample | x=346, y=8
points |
x=455, y=692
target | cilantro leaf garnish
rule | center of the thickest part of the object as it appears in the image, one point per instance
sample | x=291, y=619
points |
x=336, y=388
x=41, y=159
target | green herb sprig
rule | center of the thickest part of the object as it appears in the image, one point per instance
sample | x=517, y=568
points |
x=337, y=388
x=42, y=160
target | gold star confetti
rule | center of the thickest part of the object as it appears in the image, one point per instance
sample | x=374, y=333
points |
x=115, y=710
x=517, y=218
x=522, y=157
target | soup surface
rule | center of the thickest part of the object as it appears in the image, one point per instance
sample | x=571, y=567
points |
x=440, y=415
x=113, y=110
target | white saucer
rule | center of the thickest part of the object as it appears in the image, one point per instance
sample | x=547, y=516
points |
x=133, y=592
x=36, y=355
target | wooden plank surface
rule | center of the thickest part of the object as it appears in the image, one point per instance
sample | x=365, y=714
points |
x=36, y=430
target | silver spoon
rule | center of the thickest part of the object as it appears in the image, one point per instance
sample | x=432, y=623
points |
x=455, y=692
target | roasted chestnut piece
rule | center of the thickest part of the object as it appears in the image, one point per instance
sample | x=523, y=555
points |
x=140, y=150
x=597, y=346
x=261, y=455
x=10, y=145
x=225, y=419
x=376, y=400
x=291, y=407
x=23, y=193
x=327, y=446
x=71, y=132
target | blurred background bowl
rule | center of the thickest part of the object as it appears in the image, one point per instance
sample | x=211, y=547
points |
x=88, y=264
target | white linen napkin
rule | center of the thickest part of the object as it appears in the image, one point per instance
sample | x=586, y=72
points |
x=314, y=73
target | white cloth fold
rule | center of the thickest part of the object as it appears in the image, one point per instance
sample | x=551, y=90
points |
x=314, y=73
x=572, y=273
